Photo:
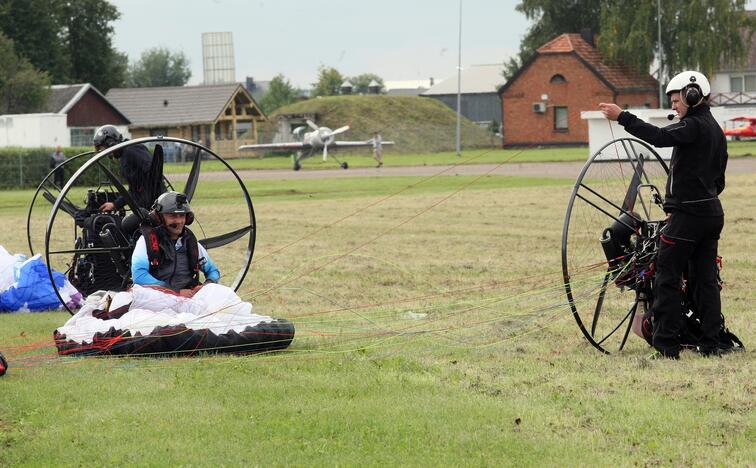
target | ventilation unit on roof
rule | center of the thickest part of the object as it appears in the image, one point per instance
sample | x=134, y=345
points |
x=539, y=107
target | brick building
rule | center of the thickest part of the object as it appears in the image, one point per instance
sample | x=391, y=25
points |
x=541, y=103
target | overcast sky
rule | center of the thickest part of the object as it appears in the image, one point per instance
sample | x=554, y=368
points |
x=395, y=39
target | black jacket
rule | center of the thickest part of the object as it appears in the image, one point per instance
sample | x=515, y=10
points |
x=699, y=159
x=135, y=165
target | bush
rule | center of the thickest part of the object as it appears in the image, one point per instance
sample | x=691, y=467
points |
x=26, y=167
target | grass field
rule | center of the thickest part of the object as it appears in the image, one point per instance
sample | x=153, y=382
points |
x=431, y=330
x=472, y=156
x=476, y=156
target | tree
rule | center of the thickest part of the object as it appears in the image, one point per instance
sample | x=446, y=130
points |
x=36, y=31
x=87, y=32
x=280, y=93
x=159, y=67
x=69, y=39
x=22, y=87
x=361, y=82
x=329, y=82
x=550, y=19
x=703, y=37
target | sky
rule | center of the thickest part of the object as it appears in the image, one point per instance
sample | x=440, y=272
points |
x=395, y=39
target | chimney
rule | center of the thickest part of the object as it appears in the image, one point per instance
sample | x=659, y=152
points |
x=431, y=81
x=587, y=35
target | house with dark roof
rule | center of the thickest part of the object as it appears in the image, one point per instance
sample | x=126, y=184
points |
x=69, y=118
x=85, y=108
x=222, y=117
x=541, y=103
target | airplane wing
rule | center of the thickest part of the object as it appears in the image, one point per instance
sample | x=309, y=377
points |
x=352, y=144
x=293, y=145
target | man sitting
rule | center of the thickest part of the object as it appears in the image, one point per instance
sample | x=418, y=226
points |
x=168, y=254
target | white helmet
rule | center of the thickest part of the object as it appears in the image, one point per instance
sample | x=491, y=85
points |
x=689, y=79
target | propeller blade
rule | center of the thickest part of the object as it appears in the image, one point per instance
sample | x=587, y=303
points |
x=122, y=191
x=312, y=125
x=341, y=130
x=155, y=185
x=325, y=152
x=191, y=181
x=66, y=206
x=223, y=239
x=632, y=190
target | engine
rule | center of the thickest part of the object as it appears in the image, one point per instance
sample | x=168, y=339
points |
x=107, y=269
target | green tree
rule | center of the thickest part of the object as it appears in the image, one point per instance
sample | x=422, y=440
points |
x=22, y=87
x=551, y=18
x=700, y=36
x=329, y=82
x=36, y=31
x=87, y=33
x=159, y=67
x=280, y=93
x=361, y=82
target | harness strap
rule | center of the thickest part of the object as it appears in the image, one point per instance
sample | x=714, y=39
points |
x=152, y=243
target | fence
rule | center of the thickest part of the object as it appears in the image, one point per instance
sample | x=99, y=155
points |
x=26, y=167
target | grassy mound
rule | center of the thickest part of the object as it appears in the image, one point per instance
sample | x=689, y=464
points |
x=416, y=124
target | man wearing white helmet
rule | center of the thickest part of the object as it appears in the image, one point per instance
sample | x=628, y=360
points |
x=695, y=216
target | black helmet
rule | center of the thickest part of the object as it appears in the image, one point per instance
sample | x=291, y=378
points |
x=173, y=202
x=107, y=136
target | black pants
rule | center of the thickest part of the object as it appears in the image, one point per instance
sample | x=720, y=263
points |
x=59, y=177
x=687, y=241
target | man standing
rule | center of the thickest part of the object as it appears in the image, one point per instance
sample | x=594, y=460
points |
x=694, y=213
x=168, y=254
x=377, y=142
x=56, y=159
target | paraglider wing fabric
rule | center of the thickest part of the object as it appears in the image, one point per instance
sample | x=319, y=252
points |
x=7, y=262
x=32, y=290
x=215, y=320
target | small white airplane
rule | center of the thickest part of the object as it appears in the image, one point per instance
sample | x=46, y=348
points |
x=307, y=144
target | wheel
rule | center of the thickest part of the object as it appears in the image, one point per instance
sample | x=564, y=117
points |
x=95, y=248
x=613, y=210
x=344, y=165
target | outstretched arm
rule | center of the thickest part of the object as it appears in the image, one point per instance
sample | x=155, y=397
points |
x=680, y=133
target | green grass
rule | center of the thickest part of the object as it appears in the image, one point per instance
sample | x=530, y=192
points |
x=416, y=124
x=489, y=377
x=474, y=156
x=741, y=148
x=469, y=156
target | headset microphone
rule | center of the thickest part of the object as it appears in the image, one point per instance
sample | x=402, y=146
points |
x=670, y=116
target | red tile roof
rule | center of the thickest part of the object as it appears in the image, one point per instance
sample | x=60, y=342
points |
x=621, y=77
